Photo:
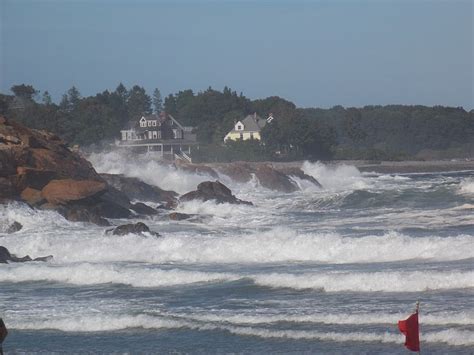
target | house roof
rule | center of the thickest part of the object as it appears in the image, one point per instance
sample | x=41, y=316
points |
x=253, y=123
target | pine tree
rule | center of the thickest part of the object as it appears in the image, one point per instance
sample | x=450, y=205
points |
x=157, y=101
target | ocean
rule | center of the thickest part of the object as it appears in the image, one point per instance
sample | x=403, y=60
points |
x=326, y=270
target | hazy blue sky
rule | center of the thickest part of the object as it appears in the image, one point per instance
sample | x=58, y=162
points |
x=315, y=53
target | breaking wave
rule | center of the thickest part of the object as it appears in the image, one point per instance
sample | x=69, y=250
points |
x=92, y=274
x=70, y=242
x=150, y=171
x=142, y=276
x=439, y=318
x=104, y=323
x=338, y=177
x=384, y=281
x=467, y=187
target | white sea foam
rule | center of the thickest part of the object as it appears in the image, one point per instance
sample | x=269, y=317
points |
x=384, y=281
x=143, y=276
x=149, y=170
x=336, y=178
x=104, y=323
x=279, y=244
x=90, y=274
x=467, y=187
x=241, y=318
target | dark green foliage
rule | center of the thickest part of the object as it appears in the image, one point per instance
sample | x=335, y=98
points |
x=393, y=132
x=250, y=150
x=138, y=102
x=157, y=101
x=24, y=91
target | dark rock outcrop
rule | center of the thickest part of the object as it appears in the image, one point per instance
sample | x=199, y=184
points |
x=268, y=176
x=14, y=227
x=62, y=192
x=293, y=171
x=38, y=168
x=32, y=196
x=213, y=190
x=136, y=189
x=143, y=209
x=137, y=228
x=6, y=256
x=274, y=180
x=237, y=171
x=82, y=214
x=176, y=216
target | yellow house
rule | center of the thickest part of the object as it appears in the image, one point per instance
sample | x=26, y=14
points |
x=248, y=128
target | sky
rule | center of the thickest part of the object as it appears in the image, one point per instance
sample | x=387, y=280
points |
x=314, y=53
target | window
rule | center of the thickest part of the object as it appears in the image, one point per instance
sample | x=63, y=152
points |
x=251, y=135
x=240, y=127
x=241, y=136
x=149, y=123
x=154, y=123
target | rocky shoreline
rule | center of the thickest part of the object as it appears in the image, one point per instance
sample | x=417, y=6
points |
x=38, y=169
x=393, y=167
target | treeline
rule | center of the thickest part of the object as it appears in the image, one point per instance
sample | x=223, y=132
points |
x=392, y=132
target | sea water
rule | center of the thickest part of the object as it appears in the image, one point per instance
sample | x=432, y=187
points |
x=320, y=270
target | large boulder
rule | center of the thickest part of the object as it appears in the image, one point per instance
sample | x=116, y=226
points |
x=83, y=214
x=32, y=196
x=274, y=180
x=237, y=171
x=7, y=190
x=14, y=227
x=31, y=158
x=60, y=192
x=143, y=209
x=213, y=190
x=137, y=228
x=6, y=257
x=297, y=172
x=38, y=168
x=136, y=189
x=33, y=178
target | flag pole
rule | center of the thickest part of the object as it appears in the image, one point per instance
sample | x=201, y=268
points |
x=417, y=310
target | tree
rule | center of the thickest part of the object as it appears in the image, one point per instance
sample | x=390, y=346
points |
x=74, y=97
x=157, y=101
x=47, y=98
x=170, y=104
x=138, y=103
x=122, y=92
x=24, y=91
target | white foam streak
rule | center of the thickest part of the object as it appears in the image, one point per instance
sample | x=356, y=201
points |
x=396, y=281
x=90, y=274
x=100, y=323
x=440, y=318
x=142, y=276
x=280, y=244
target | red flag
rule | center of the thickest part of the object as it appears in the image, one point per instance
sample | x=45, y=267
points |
x=410, y=328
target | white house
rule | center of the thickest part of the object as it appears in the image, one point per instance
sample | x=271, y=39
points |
x=248, y=128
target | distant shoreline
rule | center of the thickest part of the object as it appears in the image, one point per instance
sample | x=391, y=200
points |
x=396, y=167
